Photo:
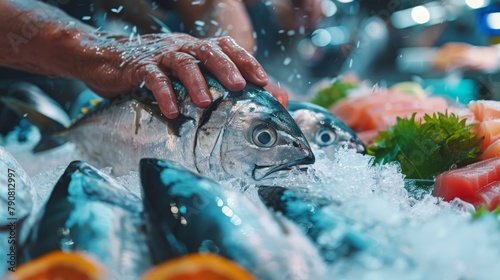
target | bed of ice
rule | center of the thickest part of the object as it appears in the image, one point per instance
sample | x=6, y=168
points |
x=419, y=238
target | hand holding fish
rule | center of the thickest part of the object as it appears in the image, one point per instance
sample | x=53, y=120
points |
x=44, y=40
x=149, y=59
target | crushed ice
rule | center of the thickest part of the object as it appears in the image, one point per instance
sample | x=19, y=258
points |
x=417, y=237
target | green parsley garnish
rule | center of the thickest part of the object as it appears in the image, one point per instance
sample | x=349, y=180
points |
x=328, y=96
x=426, y=149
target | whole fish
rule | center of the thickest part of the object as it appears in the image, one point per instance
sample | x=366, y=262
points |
x=88, y=211
x=16, y=201
x=324, y=129
x=188, y=213
x=244, y=134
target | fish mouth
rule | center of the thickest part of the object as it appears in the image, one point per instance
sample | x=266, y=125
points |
x=262, y=171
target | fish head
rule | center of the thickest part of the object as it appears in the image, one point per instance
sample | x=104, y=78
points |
x=250, y=135
x=324, y=129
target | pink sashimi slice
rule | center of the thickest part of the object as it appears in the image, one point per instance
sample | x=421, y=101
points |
x=485, y=110
x=489, y=196
x=490, y=130
x=492, y=151
x=464, y=182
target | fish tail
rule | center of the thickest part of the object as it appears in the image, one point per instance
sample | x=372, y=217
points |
x=29, y=102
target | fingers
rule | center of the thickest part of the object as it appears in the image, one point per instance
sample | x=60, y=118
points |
x=218, y=63
x=249, y=67
x=185, y=67
x=161, y=86
x=229, y=62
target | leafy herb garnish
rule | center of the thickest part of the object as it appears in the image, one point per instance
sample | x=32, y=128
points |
x=327, y=96
x=426, y=149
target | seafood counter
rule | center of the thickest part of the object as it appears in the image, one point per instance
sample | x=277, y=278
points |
x=349, y=188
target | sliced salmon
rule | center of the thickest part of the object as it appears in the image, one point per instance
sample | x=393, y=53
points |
x=490, y=130
x=367, y=136
x=489, y=196
x=379, y=110
x=491, y=151
x=465, y=182
x=485, y=110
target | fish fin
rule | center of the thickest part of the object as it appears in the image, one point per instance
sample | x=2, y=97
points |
x=29, y=102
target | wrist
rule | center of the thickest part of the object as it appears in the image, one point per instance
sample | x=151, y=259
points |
x=44, y=40
x=38, y=43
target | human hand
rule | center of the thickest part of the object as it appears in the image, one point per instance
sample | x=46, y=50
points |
x=124, y=64
x=464, y=56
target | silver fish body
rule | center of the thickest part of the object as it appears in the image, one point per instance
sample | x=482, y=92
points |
x=245, y=134
x=323, y=129
x=90, y=212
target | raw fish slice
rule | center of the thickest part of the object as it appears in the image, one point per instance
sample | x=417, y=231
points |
x=379, y=110
x=485, y=110
x=367, y=136
x=464, y=182
x=492, y=151
x=353, y=110
x=489, y=196
x=490, y=130
x=351, y=113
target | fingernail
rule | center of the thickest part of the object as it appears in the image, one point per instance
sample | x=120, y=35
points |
x=205, y=102
x=172, y=115
x=172, y=111
x=238, y=80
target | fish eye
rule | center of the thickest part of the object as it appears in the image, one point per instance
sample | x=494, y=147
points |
x=264, y=136
x=325, y=136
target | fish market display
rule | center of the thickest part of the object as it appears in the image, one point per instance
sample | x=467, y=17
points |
x=352, y=216
x=324, y=129
x=90, y=212
x=245, y=134
x=187, y=213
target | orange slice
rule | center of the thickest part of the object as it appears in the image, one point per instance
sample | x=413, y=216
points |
x=198, y=266
x=62, y=266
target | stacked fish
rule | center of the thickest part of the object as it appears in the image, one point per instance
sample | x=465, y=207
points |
x=246, y=135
